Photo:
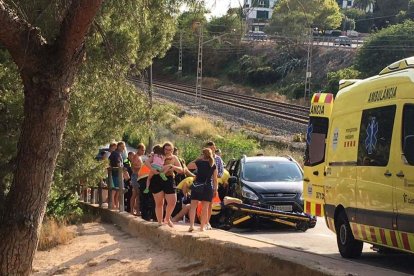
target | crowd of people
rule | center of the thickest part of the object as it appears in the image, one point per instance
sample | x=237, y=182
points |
x=176, y=190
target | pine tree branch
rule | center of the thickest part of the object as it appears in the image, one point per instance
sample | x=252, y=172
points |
x=74, y=28
x=18, y=36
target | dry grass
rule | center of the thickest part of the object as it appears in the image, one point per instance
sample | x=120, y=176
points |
x=195, y=127
x=298, y=137
x=257, y=129
x=53, y=234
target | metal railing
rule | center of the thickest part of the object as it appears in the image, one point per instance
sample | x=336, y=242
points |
x=95, y=195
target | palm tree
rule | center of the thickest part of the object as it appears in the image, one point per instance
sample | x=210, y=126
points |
x=364, y=4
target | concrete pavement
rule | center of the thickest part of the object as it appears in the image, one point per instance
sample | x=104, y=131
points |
x=252, y=257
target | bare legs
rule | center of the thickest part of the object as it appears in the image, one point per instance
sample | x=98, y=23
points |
x=159, y=205
x=204, y=214
x=116, y=199
x=135, y=202
x=171, y=201
x=210, y=208
x=184, y=211
x=193, y=208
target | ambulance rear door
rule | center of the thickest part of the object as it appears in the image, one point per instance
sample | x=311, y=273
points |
x=313, y=189
x=404, y=175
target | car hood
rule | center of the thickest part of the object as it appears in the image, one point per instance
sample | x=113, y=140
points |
x=273, y=187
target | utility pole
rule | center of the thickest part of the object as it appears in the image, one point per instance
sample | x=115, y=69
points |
x=180, y=56
x=199, y=65
x=150, y=87
x=308, y=77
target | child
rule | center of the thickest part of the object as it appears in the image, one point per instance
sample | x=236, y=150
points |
x=157, y=163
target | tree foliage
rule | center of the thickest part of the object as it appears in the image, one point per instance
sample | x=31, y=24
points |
x=296, y=17
x=104, y=105
x=52, y=66
x=221, y=36
x=229, y=23
x=385, y=47
x=335, y=77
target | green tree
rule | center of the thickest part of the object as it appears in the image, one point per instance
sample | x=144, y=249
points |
x=385, y=47
x=363, y=21
x=388, y=11
x=297, y=16
x=49, y=42
x=335, y=77
x=224, y=24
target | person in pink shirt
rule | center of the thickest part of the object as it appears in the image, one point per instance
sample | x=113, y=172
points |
x=157, y=160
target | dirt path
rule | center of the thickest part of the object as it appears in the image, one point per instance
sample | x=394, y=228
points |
x=103, y=249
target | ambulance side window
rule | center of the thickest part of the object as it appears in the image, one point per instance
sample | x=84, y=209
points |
x=375, y=136
x=315, y=141
x=408, y=133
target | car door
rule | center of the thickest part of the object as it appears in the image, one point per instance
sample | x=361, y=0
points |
x=404, y=177
x=375, y=169
x=233, y=167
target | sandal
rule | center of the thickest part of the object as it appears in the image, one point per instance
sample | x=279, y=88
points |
x=191, y=229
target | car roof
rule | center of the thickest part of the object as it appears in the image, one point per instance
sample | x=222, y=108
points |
x=265, y=158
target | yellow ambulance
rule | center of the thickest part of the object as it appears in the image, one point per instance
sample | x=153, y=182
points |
x=359, y=161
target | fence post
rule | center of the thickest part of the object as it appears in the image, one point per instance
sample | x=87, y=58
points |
x=100, y=193
x=79, y=190
x=92, y=195
x=121, y=189
x=110, y=185
x=85, y=193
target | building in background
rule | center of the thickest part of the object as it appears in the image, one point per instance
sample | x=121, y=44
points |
x=258, y=13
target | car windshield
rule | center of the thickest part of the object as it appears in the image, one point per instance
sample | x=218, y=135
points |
x=271, y=171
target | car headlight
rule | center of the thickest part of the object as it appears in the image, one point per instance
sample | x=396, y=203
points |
x=246, y=193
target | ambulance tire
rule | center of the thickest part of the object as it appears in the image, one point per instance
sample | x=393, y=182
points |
x=348, y=246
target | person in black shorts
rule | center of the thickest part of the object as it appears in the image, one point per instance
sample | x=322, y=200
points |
x=204, y=187
x=165, y=190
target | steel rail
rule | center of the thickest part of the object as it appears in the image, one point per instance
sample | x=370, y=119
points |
x=296, y=107
x=302, y=119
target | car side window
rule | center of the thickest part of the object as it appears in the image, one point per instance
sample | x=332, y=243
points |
x=375, y=136
x=408, y=133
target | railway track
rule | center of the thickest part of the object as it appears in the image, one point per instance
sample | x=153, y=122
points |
x=286, y=111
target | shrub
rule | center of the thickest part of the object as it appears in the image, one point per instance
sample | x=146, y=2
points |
x=63, y=206
x=190, y=148
x=335, y=77
x=235, y=145
x=231, y=145
x=294, y=90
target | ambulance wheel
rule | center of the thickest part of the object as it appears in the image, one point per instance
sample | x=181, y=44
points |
x=348, y=246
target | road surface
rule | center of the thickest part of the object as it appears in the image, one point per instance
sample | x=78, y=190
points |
x=320, y=240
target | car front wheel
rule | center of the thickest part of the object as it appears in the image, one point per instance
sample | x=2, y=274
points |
x=348, y=246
